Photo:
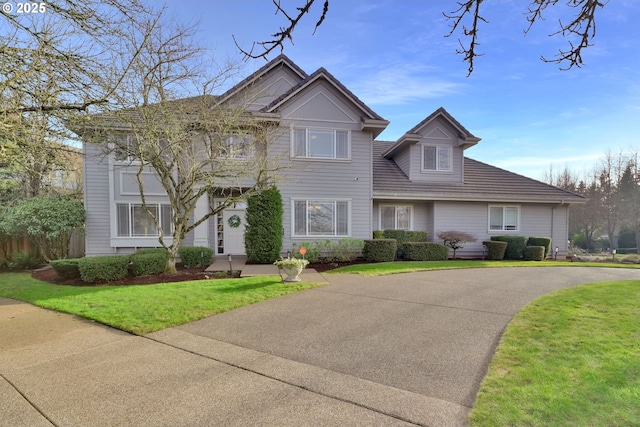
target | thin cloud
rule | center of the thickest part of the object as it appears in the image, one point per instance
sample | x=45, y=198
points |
x=397, y=86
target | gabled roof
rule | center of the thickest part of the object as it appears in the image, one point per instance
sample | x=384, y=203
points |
x=412, y=135
x=371, y=120
x=482, y=182
x=279, y=61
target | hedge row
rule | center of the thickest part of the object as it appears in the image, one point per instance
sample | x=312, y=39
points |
x=379, y=250
x=495, y=249
x=193, y=256
x=424, y=251
x=149, y=261
x=534, y=253
x=517, y=247
x=67, y=268
x=107, y=268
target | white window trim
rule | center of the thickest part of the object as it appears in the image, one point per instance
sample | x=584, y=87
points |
x=307, y=157
x=437, y=169
x=517, y=229
x=319, y=236
x=387, y=205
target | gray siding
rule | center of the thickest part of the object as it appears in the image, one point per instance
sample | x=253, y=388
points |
x=471, y=217
x=320, y=106
x=96, y=201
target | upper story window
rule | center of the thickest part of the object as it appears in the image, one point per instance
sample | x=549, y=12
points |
x=320, y=144
x=436, y=158
x=124, y=148
x=236, y=146
x=504, y=218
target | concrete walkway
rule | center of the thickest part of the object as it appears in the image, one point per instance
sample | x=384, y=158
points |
x=399, y=350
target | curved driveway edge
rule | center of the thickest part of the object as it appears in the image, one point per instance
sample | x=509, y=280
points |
x=406, y=349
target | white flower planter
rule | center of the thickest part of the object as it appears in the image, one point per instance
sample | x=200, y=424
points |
x=293, y=273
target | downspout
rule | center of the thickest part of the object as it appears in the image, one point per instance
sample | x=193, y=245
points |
x=562, y=203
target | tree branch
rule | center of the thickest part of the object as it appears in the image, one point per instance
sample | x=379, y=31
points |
x=285, y=33
x=472, y=8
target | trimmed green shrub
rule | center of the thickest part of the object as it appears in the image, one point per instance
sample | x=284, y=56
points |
x=515, y=245
x=145, y=251
x=67, y=268
x=425, y=251
x=105, y=268
x=533, y=253
x=403, y=236
x=416, y=236
x=378, y=234
x=495, y=249
x=149, y=262
x=541, y=241
x=4, y=264
x=263, y=234
x=193, y=256
x=379, y=250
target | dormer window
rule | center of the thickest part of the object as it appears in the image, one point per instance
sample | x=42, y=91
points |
x=436, y=158
x=320, y=144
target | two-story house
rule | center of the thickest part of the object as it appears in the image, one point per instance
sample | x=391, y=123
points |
x=342, y=182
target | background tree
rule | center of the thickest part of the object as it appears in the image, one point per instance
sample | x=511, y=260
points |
x=467, y=19
x=64, y=61
x=48, y=220
x=198, y=147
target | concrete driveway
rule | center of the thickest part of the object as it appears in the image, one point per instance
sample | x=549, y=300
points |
x=407, y=349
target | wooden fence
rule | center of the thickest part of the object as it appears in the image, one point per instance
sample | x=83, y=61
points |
x=10, y=245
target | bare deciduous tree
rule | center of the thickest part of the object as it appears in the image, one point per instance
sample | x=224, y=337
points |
x=201, y=149
x=466, y=18
x=64, y=61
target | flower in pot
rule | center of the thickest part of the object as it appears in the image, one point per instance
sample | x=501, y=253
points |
x=293, y=267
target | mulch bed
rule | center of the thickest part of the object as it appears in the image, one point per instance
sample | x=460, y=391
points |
x=183, y=274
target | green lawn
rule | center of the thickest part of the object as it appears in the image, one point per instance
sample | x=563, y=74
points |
x=144, y=309
x=570, y=358
x=381, y=268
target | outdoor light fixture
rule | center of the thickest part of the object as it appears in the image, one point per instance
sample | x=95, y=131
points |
x=202, y=259
x=230, y=269
x=288, y=254
x=555, y=257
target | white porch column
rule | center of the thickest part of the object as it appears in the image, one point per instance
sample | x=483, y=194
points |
x=201, y=232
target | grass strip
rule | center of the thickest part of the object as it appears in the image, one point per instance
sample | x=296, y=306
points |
x=148, y=308
x=570, y=358
x=382, y=268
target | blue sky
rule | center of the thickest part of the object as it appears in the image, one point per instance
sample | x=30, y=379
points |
x=393, y=55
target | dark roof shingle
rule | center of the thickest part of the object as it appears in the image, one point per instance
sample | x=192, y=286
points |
x=482, y=182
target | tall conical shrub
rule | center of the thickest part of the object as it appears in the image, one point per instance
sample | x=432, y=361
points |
x=263, y=235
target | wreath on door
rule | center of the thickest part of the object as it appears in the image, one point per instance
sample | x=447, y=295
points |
x=234, y=221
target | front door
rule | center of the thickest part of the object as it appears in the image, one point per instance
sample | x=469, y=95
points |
x=234, y=225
